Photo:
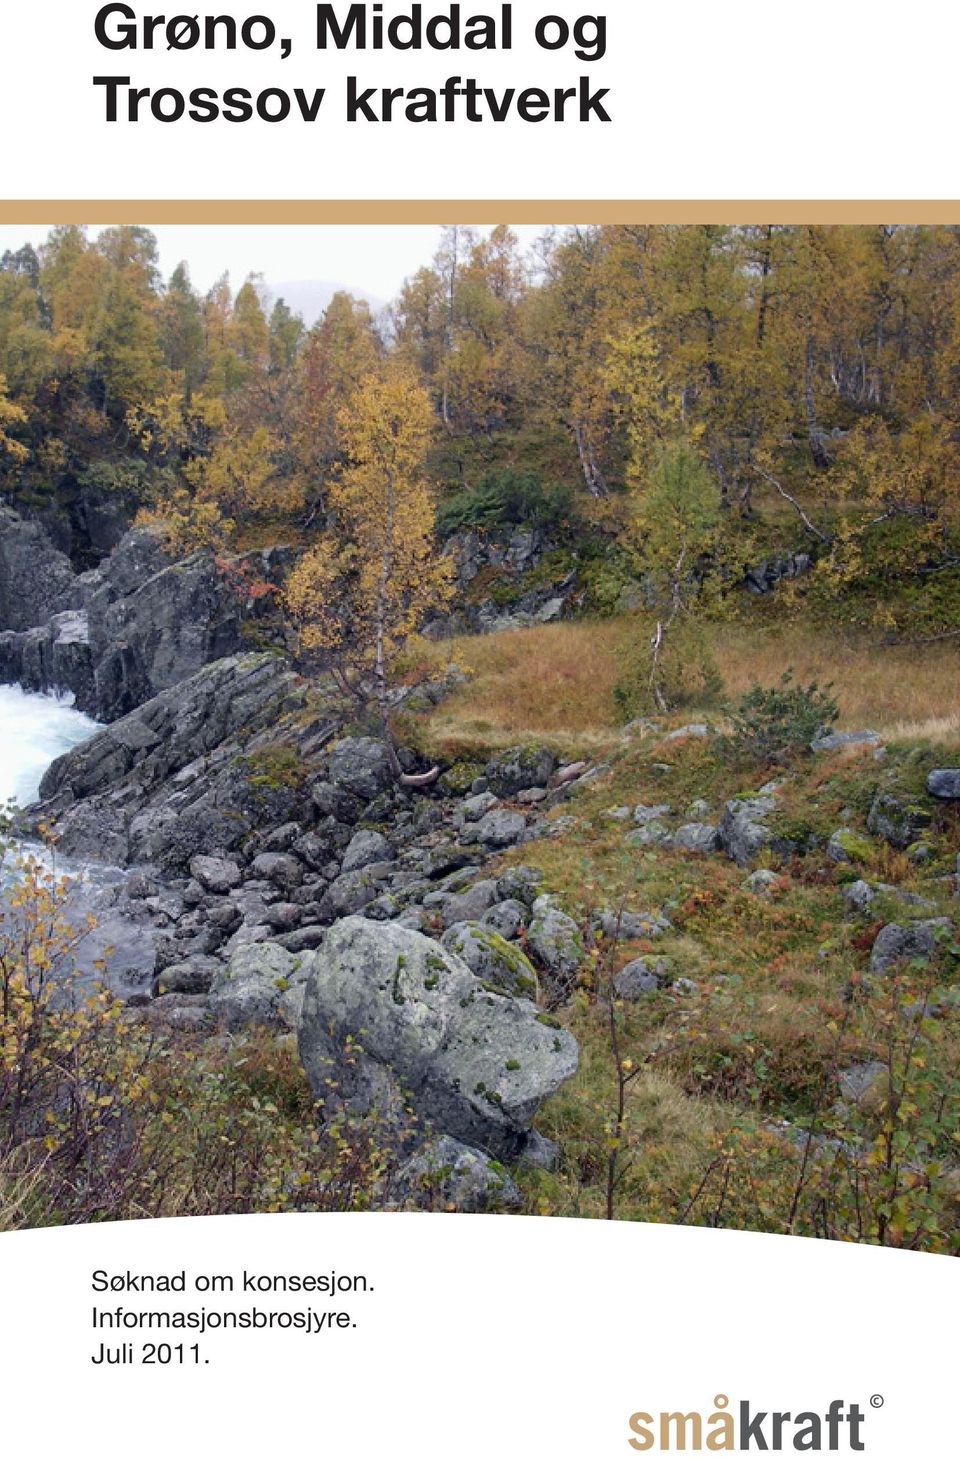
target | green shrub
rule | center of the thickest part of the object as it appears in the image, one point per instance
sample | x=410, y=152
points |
x=505, y=498
x=775, y=725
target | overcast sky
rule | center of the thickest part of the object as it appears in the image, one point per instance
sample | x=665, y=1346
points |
x=373, y=258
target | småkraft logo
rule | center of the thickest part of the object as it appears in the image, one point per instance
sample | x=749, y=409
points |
x=741, y=1427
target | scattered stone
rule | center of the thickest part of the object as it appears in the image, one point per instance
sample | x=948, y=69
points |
x=216, y=873
x=501, y=828
x=350, y=893
x=898, y=821
x=640, y=977
x=365, y=848
x=507, y=918
x=477, y=806
x=194, y=975
x=688, y=731
x=644, y=814
x=520, y=768
x=845, y=847
x=899, y=942
x=189, y=1012
x=861, y=1082
x=538, y=1153
x=944, y=784
x=839, y=739
x=651, y=833
x=555, y=941
x=469, y=906
x=339, y=804
x=262, y=984
x=743, y=829
x=361, y=767
x=632, y=926
x=761, y=882
x=278, y=867
x=445, y=1174
x=699, y=837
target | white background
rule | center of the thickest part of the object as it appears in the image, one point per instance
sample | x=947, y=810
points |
x=503, y=1336
x=742, y=99
x=485, y=1338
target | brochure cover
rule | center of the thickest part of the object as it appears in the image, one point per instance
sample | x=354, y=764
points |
x=479, y=730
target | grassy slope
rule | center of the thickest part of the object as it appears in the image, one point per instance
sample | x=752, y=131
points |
x=778, y=1007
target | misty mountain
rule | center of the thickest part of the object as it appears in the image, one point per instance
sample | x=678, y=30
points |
x=310, y=297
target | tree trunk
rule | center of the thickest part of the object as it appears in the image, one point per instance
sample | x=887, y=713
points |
x=592, y=474
x=819, y=456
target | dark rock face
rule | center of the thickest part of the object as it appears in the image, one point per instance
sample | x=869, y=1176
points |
x=129, y=629
x=54, y=656
x=764, y=577
x=168, y=781
x=148, y=635
x=36, y=579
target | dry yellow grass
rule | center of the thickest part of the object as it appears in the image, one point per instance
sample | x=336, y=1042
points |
x=556, y=682
x=904, y=692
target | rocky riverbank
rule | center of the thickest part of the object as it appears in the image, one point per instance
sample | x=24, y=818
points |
x=416, y=944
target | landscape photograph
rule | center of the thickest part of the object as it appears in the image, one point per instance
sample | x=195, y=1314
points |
x=480, y=724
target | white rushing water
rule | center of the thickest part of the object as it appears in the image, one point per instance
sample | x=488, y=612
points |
x=34, y=730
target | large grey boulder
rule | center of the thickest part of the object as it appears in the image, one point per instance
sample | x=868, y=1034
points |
x=476, y=1064
x=904, y=941
x=262, y=984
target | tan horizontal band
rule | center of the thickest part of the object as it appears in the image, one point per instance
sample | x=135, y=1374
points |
x=472, y=210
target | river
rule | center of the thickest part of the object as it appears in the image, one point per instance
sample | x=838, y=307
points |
x=34, y=730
